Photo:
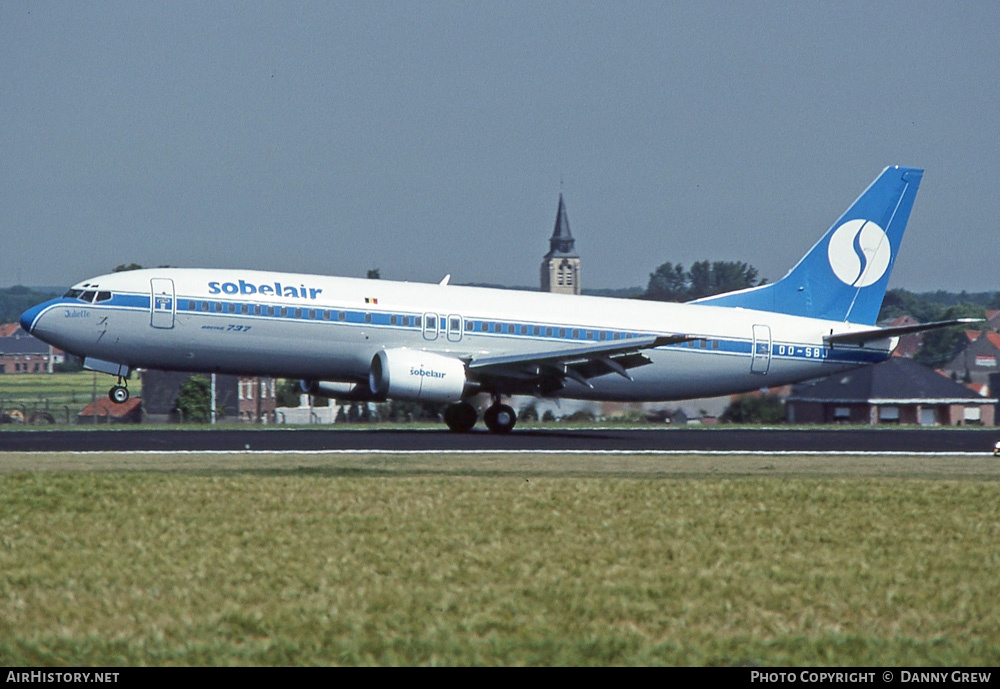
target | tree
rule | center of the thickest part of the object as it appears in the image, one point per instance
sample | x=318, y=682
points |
x=938, y=346
x=767, y=409
x=721, y=277
x=671, y=282
x=374, y=274
x=287, y=393
x=529, y=412
x=668, y=283
x=17, y=299
x=194, y=401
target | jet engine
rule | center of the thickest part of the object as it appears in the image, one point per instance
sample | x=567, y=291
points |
x=410, y=374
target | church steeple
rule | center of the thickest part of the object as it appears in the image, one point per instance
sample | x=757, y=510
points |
x=561, y=266
x=561, y=243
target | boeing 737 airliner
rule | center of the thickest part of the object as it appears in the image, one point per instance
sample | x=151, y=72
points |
x=358, y=339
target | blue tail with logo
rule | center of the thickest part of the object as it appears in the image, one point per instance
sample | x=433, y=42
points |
x=844, y=276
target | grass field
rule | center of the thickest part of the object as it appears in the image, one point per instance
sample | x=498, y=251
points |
x=457, y=560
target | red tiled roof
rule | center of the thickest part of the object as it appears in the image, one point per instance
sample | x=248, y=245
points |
x=981, y=389
x=105, y=407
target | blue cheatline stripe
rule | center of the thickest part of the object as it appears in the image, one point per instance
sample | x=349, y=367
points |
x=413, y=322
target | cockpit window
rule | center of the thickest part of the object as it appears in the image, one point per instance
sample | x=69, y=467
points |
x=88, y=296
x=103, y=296
x=73, y=293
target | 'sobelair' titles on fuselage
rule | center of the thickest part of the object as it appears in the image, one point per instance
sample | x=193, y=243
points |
x=264, y=289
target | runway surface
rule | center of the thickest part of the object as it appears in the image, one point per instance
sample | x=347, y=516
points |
x=915, y=441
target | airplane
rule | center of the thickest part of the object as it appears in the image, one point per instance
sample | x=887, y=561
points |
x=373, y=340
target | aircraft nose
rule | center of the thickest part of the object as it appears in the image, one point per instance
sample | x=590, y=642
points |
x=29, y=317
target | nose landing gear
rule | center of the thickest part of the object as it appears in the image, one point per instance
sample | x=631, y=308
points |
x=119, y=393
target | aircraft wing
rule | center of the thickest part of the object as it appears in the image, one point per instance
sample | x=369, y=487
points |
x=547, y=372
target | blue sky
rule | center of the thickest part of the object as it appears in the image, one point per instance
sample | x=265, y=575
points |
x=426, y=138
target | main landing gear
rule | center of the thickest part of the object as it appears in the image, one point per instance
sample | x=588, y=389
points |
x=119, y=393
x=461, y=417
x=500, y=418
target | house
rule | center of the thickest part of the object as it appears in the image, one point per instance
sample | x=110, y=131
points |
x=22, y=353
x=993, y=319
x=257, y=400
x=909, y=344
x=896, y=391
x=978, y=360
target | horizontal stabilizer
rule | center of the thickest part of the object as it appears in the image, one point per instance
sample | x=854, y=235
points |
x=862, y=336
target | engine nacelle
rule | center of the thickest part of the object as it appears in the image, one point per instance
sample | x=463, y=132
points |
x=355, y=392
x=410, y=374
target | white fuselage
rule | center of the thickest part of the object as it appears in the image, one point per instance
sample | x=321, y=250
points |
x=325, y=328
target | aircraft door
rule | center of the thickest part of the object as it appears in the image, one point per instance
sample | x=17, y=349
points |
x=162, y=304
x=760, y=356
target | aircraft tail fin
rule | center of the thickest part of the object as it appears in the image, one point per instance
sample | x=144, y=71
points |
x=844, y=276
